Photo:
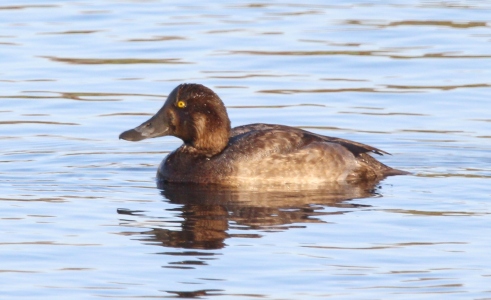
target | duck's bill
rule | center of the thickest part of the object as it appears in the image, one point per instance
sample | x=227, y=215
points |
x=149, y=129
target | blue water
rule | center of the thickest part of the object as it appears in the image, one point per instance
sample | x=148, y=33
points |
x=82, y=216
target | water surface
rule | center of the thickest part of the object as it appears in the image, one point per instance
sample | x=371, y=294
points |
x=82, y=216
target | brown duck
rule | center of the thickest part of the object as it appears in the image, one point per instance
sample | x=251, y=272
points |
x=215, y=153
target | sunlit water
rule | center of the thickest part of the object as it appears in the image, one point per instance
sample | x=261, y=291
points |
x=82, y=217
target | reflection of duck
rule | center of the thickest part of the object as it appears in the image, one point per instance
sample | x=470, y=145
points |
x=208, y=211
x=257, y=153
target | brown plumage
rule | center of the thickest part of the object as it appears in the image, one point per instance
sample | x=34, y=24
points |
x=251, y=154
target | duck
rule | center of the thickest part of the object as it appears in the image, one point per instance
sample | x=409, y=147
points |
x=215, y=153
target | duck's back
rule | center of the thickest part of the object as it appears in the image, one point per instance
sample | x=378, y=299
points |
x=264, y=153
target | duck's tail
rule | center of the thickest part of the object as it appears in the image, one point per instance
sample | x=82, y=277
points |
x=372, y=168
x=393, y=172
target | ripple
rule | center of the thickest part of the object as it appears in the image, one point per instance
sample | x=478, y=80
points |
x=18, y=271
x=158, y=39
x=15, y=7
x=376, y=53
x=195, y=294
x=441, y=23
x=438, y=87
x=390, y=246
x=35, y=122
x=275, y=106
x=308, y=53
x=48, y=243
x=434, y=213
x=303, y=91
x=73, y=32
x=383, y=114
x=115, y=61
x=77, y=96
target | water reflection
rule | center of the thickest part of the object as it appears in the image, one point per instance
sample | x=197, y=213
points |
x=209, y=212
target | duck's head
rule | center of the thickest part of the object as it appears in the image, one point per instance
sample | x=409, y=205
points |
x=193, y=113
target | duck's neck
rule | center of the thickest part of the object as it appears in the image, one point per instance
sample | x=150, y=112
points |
x=211, y=135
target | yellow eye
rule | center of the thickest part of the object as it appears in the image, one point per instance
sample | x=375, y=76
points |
x=181, y=104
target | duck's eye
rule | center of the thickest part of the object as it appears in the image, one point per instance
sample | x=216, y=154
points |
x=181, y=104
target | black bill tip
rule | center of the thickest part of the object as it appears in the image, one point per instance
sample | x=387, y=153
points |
x=131, y=135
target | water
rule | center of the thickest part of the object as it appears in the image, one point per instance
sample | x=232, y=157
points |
x=82, y=216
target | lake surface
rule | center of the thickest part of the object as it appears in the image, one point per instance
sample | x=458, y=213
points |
x=82, y=216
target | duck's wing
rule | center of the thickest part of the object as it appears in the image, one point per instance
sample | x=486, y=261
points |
x=354, y=147
x=254, y=127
